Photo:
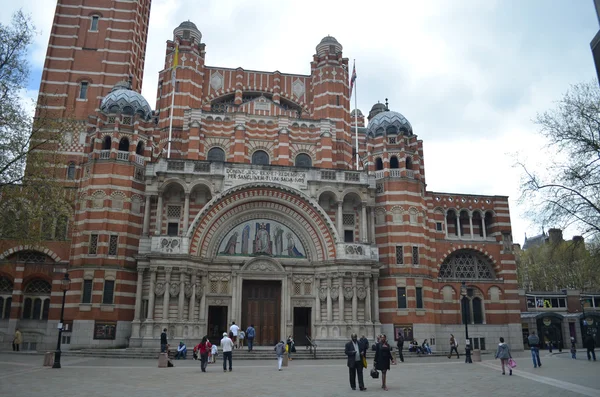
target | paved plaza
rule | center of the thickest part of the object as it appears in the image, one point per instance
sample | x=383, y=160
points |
x=23, y=375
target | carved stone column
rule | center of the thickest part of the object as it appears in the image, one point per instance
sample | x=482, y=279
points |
x=166, y=296
x=372, y=223
x=186, y=213
x=483, y=226
x=446, y=223
x=340, y=223
x=159, y=211
x=367, y=283
x=376, y=299
x=234, y=301
x=203, y=299
x=181, y=295
x=363, y=223
x=317, y=300
x=138, y=293
x=329, y=302
x=146, y=227
x=341, y=297
x=471, y=224
x=192, y=304
x=151, y=295
x=458, y=231
x=354, y=299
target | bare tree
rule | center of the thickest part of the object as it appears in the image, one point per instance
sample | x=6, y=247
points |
x=568, y=194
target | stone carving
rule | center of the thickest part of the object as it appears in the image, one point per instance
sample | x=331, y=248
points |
x=170, y=245
x=323, y=293
x=217, y=302
x=262, y=267
x=219, y=276
x=361, y=292
x=199, y=291
x=298, y=88
x=188, y=289
x=174, y=289
x=354, y=250
x=334, y=293
x=159, y=289
x=348, y=293
x=303, y=303
x=216, y=81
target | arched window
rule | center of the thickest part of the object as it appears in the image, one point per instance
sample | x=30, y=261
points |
x=140, y=148
x=216, y=154
x=107, y=143
x=394, y=162
x=124, y=145
x=378, y=164
x=36, y=293
x=489, y=222
x=472, y=307
x=451, y=222
x=83, y=89
x=477, y=309
x=409, y=163
x=467, y=264
x=71, y=171
x=260, y=157
x=303, y=160
x=6, y=290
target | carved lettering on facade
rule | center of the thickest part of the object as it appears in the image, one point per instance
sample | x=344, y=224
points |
x=236, y=176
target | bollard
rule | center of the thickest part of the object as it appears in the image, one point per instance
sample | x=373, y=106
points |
x=163, y=360
x=285, y=361
x=476, y=356
x=48, y=359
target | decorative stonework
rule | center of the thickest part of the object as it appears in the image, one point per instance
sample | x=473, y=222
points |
x=218, y=301
x=298, y=88
x=323, y=293
x=216, y=81
x=361, y=293
x=159, y=289
x=262, y=267
x=188, y=289
x=348, y=293
x=334, y=293
x=302, y=303
x=174, y=289
x=170, y=245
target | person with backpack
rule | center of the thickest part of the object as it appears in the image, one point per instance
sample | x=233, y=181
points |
x=250, y=334
x=203, y=349
x=534, y=343
x=280, y=351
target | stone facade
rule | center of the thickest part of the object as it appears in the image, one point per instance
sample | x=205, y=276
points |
x=238, y=200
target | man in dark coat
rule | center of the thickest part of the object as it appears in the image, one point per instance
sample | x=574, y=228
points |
x=590, y=344
x=355, y=364
x=400, y=346
x=163, y=341
x=363, y=345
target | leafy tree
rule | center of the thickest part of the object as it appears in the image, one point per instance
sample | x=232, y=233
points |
x=33, y=197
x=558, y=265
x=568, y=194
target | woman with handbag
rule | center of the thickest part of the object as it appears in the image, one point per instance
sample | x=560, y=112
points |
x=383, y=357
x=503, y=353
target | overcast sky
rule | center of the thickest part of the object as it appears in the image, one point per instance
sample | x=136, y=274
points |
x=469, y=75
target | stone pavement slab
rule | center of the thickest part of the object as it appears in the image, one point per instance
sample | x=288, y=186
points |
x=91, y=377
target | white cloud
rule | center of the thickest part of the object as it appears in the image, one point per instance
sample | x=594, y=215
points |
x=469, y=75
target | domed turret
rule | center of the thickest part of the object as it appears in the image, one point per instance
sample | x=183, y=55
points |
x=329, y=44
x=388, y=122
x=376, y=109
x=356, y=112
x=122, y=99
x=188, y=30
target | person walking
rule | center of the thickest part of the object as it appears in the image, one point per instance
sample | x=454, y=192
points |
x=383, y=357
x=291, y=347
x=400, y=345
x=234, y=330
x=453, y=346
x=534, y=345
x=203, y=349
x=280, y=351
x=214, y=352
x=227, y=347
x=355, y=362
x=17, y=340
x=241, y=336
x=503, y=353
x=250, y=334
x=590, y=344
x=573, y=349
x=163, y=342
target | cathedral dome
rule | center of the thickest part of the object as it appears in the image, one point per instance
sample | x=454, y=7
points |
x=388, y=122
x=329, y=43
x=122, y=99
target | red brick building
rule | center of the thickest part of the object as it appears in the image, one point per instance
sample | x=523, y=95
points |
x=253, y=212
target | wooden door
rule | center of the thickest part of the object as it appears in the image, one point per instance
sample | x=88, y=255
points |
x=261, y=306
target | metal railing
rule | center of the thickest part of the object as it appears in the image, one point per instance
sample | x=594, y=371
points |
x=312, y=346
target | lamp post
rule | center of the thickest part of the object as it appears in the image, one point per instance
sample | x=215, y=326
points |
x=583, y=324
x=465, y=315
x=65, y=284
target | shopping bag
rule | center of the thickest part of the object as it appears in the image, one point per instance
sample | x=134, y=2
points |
x=512, y=363
x=364, y=362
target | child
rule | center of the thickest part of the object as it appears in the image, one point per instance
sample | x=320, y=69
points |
x=214, y=352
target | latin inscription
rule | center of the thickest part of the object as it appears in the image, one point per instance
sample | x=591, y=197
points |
x=250, y=175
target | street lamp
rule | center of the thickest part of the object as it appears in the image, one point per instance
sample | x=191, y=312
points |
x=583, y=324
x=465, y=310
x=65, y=284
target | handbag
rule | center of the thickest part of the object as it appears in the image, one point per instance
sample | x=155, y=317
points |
x=364, y=362
x=374, y=373
x=512, y=363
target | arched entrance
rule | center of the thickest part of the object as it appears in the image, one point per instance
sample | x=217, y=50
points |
x=550, y=329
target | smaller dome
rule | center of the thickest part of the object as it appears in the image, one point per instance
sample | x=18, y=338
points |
x=376, y=109
x=122, y=99
x=388, y=122
x=188, y=30
x=356, y=112
x=329, y=43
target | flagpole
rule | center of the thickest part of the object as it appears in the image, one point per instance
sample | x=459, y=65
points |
x=356, y=117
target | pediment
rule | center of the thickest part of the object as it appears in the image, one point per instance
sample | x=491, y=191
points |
x=262, y=265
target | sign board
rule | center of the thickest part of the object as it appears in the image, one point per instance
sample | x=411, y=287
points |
x=240, y=176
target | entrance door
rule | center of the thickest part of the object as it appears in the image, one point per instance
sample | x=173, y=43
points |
x=302, y=326
x=217, y=323
x=261, y=307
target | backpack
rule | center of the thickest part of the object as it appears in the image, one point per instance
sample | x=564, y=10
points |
x=250, y=333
